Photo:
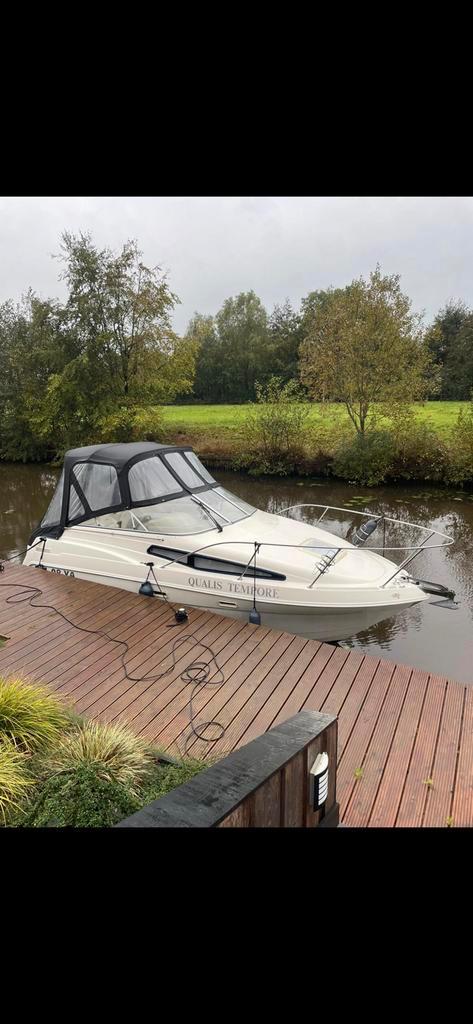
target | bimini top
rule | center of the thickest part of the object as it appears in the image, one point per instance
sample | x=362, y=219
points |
x=109, y=477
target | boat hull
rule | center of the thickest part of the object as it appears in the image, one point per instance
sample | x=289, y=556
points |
x=294, y=591
x=316, y=622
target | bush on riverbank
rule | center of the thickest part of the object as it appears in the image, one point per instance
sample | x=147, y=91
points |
x=460, y=462
x=414, y=443
x=132, y=423
x=271, y=438
x=283, y=436
x=403, y=449
x=366, y=459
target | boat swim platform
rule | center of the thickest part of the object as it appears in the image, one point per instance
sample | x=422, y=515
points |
x=405, y=736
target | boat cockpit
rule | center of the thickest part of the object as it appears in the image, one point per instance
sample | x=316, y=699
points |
x=147, y=487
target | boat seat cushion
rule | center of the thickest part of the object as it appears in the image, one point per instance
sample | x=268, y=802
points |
x=115, y=521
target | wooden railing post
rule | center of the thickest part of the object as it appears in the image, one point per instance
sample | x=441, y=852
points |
x=265, y=784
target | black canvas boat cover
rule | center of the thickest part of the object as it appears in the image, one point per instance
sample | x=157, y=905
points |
x=105, y=478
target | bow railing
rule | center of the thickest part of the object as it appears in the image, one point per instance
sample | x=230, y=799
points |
x=329, y=551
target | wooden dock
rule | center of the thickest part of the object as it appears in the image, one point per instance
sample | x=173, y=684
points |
x=405, y=736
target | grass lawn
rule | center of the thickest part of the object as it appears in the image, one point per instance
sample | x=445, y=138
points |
x=226, y=417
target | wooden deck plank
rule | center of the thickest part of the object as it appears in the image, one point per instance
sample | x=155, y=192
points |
x=438, y=807
x=207, y=701
x=354, y=751
x=88, y=648
x=129, y=700
x=405, y=740
x=281, y=677
x=24, y=615
x=37, y=626
x=249, y=698
x=374, y=761
x=108, y=668
x=414, y=796
x=347, y=699
x=321, y=693
x=328, y=662
x=175, y=717
x=462, y=809
x=144, y=632
x=388, y=798
x=39, y=654
x=80, y=608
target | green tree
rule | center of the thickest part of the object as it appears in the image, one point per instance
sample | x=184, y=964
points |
x=234, y=350
x=314, y=303
x=450, y=340
x=120, y=310
x=312, y=307
x=242, y=326
x=285, y=337
x=33, y=347
x=364, y=348
x=209, y=377
x=109, y=348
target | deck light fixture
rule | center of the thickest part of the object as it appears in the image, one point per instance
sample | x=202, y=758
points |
x=319, y=781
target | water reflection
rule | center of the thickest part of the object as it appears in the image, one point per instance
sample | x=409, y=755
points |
x=383, y=633
x=430, y=636
x=25, y=492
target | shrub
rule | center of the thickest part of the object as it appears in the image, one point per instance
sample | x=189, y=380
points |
x=132, y=423
x=149, y=424
x=367, y=459
x=272, y=433
x=15, y=779
x=30, y=714
x=79, y=798
x=418, y=451
x=460, y=461
x=83, y=796
x=167, y=776
x=115, y=754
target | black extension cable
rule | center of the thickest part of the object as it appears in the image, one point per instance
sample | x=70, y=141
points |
x=196, y=674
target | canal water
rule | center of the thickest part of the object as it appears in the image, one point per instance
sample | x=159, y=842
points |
x=432, y=636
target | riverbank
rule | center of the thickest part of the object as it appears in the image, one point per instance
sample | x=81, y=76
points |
x=429, y=443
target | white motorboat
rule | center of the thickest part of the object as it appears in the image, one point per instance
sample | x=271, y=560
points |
x=150, y=518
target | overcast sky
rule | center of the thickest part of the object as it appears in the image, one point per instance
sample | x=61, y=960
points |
x=279, y=246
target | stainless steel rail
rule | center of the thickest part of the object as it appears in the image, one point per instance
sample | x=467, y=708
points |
x=334, y=552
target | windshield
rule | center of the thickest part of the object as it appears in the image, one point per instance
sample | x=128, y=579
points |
x=204, y=473
x=184, y=471
x=177, y=516
x=232, y=509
